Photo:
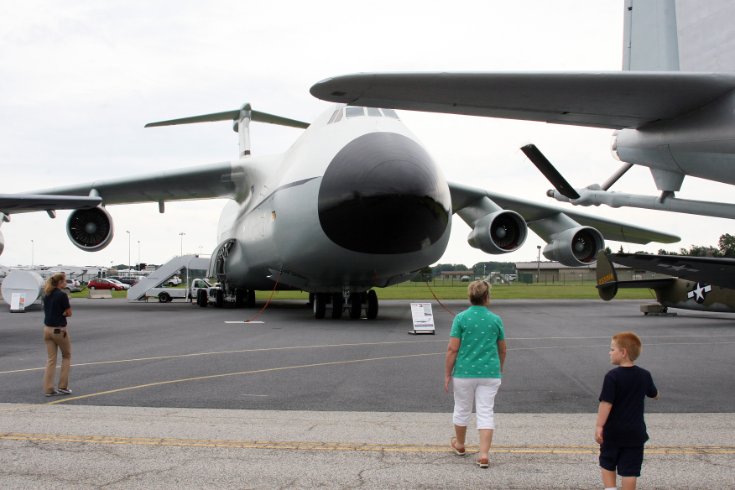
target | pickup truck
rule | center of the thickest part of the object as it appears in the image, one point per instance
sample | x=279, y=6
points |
x=166, y=295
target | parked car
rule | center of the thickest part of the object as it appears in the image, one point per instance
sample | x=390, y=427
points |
x=129, y=280
x=73, y=285
x=174, y=281
x=104, y=283
x=125, y=286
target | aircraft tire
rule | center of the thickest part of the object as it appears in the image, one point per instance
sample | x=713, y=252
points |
x=219, y=300
x=337, y=304
x=355, y=305
x=320, y=305
x=250, y=298
x=240, y=297
x=202, y=298
x=372, y=305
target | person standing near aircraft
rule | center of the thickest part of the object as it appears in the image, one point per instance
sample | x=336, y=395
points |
x=474, y=365
x=56, y=309
x=621, y=430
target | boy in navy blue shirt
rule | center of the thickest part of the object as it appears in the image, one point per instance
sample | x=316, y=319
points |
x=621, y=430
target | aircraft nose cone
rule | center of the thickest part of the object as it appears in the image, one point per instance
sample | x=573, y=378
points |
x=383, y=194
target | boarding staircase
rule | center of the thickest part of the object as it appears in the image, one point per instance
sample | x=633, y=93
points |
x=161, y=275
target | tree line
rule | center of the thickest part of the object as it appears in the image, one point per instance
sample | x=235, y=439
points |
x=725, y=248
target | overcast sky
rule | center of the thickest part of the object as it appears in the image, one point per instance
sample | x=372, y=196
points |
x=78, y=80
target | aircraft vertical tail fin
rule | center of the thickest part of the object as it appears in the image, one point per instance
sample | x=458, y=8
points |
x=673, y=35
x=607, y=279
x=650, y=40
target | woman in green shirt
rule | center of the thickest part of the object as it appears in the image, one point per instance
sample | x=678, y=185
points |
x=474, y=365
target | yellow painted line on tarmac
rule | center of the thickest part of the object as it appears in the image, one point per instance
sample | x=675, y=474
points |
x=330, y=346
x=239, y=373
x=224, y=352
x=338, y=446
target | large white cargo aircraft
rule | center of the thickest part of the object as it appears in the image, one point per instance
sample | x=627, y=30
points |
x=355, y=203
x=672, y=108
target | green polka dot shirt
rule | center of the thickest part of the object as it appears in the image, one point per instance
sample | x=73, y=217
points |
x=479, y=331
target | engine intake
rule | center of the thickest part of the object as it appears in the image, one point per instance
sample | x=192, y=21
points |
x=90, y=229
x=498, y=233
x=575, y=247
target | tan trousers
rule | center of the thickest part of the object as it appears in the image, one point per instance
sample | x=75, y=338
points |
x=54, y=342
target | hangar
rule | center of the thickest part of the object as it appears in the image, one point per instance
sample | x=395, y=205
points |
x=549, y=272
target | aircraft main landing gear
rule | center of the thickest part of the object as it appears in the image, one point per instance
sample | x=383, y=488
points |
x=356, y=302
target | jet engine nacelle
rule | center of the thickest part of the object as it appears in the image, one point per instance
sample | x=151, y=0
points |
x=575, y=247
x=498, y=233
x=90, y=229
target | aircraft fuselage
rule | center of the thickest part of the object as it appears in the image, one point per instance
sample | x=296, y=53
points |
x=701, y=143
x=353, y=204
x=691, y=295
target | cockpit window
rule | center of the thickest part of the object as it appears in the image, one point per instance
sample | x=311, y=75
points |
x=336, y=116
x=354, y=111
x=390, y=113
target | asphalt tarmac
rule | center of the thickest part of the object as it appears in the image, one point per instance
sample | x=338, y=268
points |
x=350, y=402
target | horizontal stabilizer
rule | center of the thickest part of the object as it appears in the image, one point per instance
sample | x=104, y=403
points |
x=256, y=116
x=217, y=116
x=608, y=284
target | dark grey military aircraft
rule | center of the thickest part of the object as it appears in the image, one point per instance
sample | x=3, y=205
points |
x=703, y=283
x=671, y=107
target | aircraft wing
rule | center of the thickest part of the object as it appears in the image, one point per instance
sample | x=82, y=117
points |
x=533, y=213
x=23, y=203
x=604, y=99
x=200, y=182
x=719, y=271
x=645, y=283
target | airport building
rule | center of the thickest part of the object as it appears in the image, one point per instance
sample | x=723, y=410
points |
x=554, y=273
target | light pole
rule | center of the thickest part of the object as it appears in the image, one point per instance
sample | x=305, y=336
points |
x=538, y=265
x=181, y=250
x=128, y=232
x=33, y=250
x=138, y=254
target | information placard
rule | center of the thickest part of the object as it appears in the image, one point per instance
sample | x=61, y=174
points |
x=423, y=318
x=18, y=303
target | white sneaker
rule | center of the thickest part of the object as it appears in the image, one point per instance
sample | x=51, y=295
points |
x=53, y=393
x=63, y=391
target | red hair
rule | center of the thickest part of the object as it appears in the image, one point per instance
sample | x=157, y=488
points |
x=630, y=342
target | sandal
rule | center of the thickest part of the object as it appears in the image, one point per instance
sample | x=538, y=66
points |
x=482, y=462
x=457, y=451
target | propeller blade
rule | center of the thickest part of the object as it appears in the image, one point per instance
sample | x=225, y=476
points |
x=546, y=168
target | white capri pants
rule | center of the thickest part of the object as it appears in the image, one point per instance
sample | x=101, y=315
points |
x=480, y=390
